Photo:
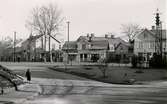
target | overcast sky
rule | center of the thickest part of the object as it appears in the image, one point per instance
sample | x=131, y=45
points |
x=85, y=16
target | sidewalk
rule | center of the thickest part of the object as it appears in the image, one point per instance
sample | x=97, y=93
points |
x=26, y=92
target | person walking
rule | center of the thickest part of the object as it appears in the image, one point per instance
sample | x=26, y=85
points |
x=28, y=75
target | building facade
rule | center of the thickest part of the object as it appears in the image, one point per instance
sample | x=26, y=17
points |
x=91, y=48
x=145, y=43
x=36, y=49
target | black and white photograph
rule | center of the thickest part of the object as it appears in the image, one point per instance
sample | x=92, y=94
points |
x=83, y=51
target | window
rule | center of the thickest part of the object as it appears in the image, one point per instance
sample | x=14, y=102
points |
x=81, y=55
x=152, y=45
x=149, y=45
x=85, y=56
x=83, y=46
x=140, y=45
x=137, y=44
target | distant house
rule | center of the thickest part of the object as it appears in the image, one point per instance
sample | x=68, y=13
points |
x=11, y=54
x=145, y=43
x=34, y=49
x=29, y=48
x=91, y=48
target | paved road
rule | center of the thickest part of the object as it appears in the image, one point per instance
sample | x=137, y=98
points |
x=42, y=71
x=71, y=92
x=63, y=88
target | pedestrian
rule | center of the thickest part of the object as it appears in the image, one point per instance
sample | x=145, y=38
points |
x=2, y=91
x=28, y=75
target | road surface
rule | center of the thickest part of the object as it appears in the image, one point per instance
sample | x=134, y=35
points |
x=61, y=88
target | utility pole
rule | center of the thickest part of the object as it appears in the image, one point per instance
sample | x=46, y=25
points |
x=68, y=31
x=68, y=24
x=159, y=40
x=158, y=48
x=14, y=47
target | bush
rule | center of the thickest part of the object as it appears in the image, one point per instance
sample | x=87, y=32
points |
x=134, y=61
x=158, y=62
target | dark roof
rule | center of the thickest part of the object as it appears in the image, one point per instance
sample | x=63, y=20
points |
x=34, y=37
x=96, y=42
x=99, y=44
x=117, y=41
x=82, y=38
x=153, y=32
x=70, y=45
x=102, y=42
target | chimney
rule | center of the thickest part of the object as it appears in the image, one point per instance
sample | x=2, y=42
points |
x=87, y=35
x=112, y=36
x=92, y=35
x=90, y=39
x=153, y=27
x=106, y=35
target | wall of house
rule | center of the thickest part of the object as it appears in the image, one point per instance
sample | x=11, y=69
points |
x=144, y=46
x=144, y=42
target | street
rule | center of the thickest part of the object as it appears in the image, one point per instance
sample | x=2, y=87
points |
x=61, y=88
x=83, y=52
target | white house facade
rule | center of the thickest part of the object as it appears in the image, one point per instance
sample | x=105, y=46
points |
x=145, y=43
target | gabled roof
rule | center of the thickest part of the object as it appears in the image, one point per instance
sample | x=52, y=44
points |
x=153, y=33
x=127, y=45
x=70, y=45
x=103, y=42
x=82, y=39
x=99, y=44
x=32, y=38
x=117, y=41
x=143, y=30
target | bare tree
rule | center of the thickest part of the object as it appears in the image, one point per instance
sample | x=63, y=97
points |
x=46, y=21
x=130, y=30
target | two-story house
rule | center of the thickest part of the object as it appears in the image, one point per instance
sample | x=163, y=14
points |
x=91, y=48
x=145, y=43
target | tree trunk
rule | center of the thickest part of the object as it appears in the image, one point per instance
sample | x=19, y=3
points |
x=45, y=49
x=50, y=52
x=42, y=47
